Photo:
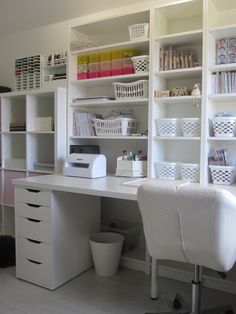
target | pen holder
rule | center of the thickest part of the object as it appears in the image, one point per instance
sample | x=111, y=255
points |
x=131, y=168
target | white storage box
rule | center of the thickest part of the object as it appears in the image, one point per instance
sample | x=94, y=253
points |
x=139, y=31
x=43, y=124
x=223, y=174
x=190, y=127
x=138, y=89
x=115, y=127
x=15, y=163
x=190, y=172
x=167, y=170
x=141, y=64
x=131, y=168
x=224, y=126
x=167, y=127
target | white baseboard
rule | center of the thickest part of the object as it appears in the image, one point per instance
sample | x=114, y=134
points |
x=182, y=275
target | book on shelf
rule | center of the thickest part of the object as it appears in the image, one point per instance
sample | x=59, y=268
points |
x=223, y=82
x=83, y=123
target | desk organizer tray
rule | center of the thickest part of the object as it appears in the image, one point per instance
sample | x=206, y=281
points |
x=131, y=168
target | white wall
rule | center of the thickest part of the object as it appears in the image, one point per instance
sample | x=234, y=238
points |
x=51, y=38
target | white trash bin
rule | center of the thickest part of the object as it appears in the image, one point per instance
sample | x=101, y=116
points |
x=106, y=250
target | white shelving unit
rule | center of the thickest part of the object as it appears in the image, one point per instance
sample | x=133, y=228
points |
x=112, y=37
x=219, y=25
x=23, y=153
x=179, y=25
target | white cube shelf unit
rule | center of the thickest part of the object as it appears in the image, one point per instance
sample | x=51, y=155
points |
x=27, y=149
x=188, y=25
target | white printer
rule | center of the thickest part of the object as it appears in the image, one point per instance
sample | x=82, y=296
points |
x=85, y=165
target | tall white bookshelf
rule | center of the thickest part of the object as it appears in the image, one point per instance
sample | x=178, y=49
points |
x=36, y=150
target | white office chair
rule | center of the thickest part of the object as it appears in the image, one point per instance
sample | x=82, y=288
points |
x=192, y=224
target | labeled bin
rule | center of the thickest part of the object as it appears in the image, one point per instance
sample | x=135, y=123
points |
x=106, y=250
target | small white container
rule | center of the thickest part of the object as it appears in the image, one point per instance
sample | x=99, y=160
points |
x=223, y=174
x=43, y=124
x=139, y=31
x=141, y=64
x=106, y=250
x=190, y=172
x=190, y=127
x=167, y=127
x=167, y=170
x=224, y=126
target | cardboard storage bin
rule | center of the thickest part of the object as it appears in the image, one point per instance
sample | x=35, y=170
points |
x=129, y=230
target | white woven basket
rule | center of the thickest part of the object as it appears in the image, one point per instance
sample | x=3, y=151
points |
x=190, y=127
x=190, y=172
x=138, y=31
x=167, y=170
x=141, y=63
x=115, y=127
x=167, y=127
x=224, y=126
x=138, y=89
x=223, y=174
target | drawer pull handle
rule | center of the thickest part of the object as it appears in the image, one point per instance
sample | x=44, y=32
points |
x=34, y=241
x=33, y=205
x=35, y=262
x=33, y=191
x=34, y=220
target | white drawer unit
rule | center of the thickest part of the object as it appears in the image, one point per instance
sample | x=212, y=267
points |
x=52, y=234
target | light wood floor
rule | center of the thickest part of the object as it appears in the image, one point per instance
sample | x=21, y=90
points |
x=125, y=293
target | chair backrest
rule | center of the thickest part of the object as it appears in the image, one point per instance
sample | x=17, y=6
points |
x=189, y=223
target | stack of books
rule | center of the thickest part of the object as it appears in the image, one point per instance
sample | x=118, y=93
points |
x=17, y=126
x=224, y=82
x=172, y=58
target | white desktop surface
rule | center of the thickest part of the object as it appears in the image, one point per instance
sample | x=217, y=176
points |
x=109, y=186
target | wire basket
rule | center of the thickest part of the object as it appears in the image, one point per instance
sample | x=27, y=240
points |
x=224, y=126
x=190, y=172
x=223, y=174
x=167, y=170
x=190, y=127
x=167, y=127
x=138, y=31
x=138, y=89
x=141, y=64
x=115, y=127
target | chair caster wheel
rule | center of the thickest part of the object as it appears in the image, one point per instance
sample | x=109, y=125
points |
x=176, y=304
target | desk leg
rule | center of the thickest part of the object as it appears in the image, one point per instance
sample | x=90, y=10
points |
x=154, y=283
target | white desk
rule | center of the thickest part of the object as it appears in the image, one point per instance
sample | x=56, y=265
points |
x=54, y=217
x=109, y=186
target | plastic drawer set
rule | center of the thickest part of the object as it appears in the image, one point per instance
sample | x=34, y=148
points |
x=43, y=231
